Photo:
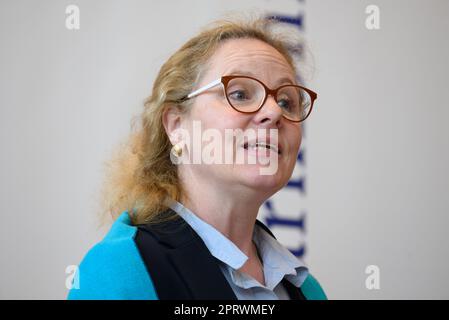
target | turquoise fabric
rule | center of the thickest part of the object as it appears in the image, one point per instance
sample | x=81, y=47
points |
x=113, y=268
x=312, y=289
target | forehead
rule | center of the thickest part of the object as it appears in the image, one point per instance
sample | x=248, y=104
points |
x=249, y=56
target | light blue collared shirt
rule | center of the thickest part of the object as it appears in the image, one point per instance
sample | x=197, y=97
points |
x=278, y=261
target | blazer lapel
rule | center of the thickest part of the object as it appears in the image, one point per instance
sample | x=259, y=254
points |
x=200, y=272
x=192, y=261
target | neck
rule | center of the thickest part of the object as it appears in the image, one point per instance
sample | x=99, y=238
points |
x=232, y=211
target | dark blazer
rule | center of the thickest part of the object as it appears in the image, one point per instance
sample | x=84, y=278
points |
x=164, y=261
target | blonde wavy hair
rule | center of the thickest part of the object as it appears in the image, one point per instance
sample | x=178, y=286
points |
x=140, y=174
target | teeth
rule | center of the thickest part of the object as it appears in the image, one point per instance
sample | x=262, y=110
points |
x=268, y=146
x=261, y=145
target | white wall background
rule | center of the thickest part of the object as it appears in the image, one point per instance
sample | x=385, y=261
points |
x=377, y=141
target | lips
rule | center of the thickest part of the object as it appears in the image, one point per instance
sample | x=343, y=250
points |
x=254, y=144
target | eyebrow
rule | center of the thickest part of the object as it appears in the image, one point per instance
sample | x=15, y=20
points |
x=237, y=72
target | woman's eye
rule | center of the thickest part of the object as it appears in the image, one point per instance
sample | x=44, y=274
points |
x=284, y=103
x=238, y=95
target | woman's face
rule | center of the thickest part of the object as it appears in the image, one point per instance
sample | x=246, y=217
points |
x=211, y=110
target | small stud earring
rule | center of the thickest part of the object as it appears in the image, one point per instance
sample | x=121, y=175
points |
x=177, y=150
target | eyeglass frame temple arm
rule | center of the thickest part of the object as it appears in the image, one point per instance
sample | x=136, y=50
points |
x=206, y=87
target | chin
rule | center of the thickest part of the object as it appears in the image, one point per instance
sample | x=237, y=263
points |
x=253, y=178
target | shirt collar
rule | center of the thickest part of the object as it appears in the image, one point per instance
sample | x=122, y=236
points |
x=219, y=245
x=278, y=261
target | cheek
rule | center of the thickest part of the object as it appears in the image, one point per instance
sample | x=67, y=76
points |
x=221, y=117
x=216, y=114
x=294, y=138
x=209, y=120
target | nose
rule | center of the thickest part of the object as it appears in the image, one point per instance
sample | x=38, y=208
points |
x=270, y=113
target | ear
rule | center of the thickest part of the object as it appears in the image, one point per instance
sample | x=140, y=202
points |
x=172, y=120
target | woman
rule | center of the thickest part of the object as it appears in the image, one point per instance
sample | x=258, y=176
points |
x=188, y=228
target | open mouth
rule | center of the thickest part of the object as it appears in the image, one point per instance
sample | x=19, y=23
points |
x=262, y=146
